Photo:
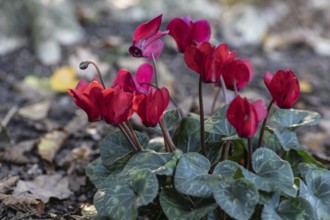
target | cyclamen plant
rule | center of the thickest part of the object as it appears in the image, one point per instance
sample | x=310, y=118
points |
x=228, y=165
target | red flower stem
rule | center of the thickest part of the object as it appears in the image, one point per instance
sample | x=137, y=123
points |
x=134, y=137
x=249, y=159
x=167, y=137
x=224, y=89
x=264, y=124
x=224, y=92
x=226, y=150
x=215, y=100
x=84, y=64
x=154, y=63
x=122, y=129
x=201, y=117
x=235, y=88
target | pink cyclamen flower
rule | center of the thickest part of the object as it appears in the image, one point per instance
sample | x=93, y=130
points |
x=283, y=87
x=146, y=39
x=116, y=105
x=151, y=106
x=137, y=84
x=237, y=73
x=245, y=116
x=88, y=96
x=186, y=32
x=207, y=60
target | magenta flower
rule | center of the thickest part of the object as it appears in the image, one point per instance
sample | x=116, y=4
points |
x=151, y=106
x=207, y=60
x=88, y=96
x=146, y=39
x=125, y=80
x=245, y=116
x=283, y=87
x=237, y=73
x=186, y=32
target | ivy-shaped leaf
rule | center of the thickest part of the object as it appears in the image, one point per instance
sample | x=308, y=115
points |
x=237, y=198
x=115, y=145
x=158, y=163
x=226, y=168
x=218, y=123
x=121, y=195
x=292, y=208
x=187, y=135
x=317, y=191
x=292, y=118
x=295, y=158
x=177, y=207
x=287, y=139
x=272, y=173
x=296, y=208
x=192, y=178
x=97, y=173
x=172, y=118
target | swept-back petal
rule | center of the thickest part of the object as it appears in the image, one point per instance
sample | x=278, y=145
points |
x=202, y=31
x=147, y=29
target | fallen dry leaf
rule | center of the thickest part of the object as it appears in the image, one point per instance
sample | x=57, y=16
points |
x=44, y=187
x=305, y=86
x=8, y=183
x=51, y=143
x=16, y=153
x=63, y=78
x=36, y=111
x=23, y=204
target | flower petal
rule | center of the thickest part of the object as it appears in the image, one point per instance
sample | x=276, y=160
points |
x=147, y=29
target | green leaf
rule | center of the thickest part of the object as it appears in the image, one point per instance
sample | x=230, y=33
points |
x=271, y=142
x=237, y=198
x=97, y=173
x=296, y=208
x=187, y=136
x=295, y=158
x=121, y=195
x=172, y=118
x=288, y=139
x=317, y=191
x=192, y=178
x=177, y=207
x=156, y=144
x=272, y=173
x=115, y=145
x=218, y=123
x=292, y=118
x=269, y=210
x=158, y=163
x=227, y=168
x=293, y=208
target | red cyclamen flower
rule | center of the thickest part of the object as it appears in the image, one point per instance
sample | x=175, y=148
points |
x=116, y=105
x=245, y=116
x=283, y=87
x=236, y=73
x=125, y=80
x=151, y=106
x=146, y=39
x=88, y=96
x=207, y=60
x=186, y=32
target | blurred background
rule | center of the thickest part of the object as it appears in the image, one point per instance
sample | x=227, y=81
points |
x=42, y=43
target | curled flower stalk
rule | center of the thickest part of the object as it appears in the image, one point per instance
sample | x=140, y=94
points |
x=201, y=118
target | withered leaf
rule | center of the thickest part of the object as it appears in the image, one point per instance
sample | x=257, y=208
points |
x=22, y=203
x=7, y=184
x=44, y=187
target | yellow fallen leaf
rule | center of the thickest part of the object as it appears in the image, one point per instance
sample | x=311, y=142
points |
x=63, y=78
x=305, y=86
